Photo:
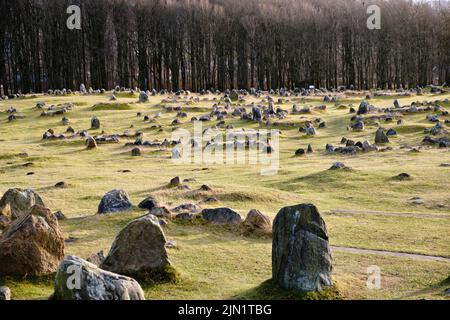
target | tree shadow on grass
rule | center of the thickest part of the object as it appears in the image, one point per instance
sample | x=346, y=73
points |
x=268, y=290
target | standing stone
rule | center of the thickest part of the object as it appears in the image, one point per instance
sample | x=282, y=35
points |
x=17, y=202
x=301, y=257
x=256, y=114
x=310, y=149
x=381, y=137
x=82, y=88
x=397, y=104
x=94, y=283
x=143, y=97
x=91, y=143
x=32, y=245
x=95, y=123
x=139, y=251
x=363, y=107
x=114, y=201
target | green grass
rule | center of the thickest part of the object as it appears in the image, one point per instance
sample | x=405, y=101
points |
x=111, y=107
x=229, y=262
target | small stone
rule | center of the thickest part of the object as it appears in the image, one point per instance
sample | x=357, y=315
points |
x=339, y=166
x=61, y=184
x=404, y=176
x=381, y=137
x=136, y=152
x=59, y=215
x=148, y=203
x=205, y=188
x=175, y=182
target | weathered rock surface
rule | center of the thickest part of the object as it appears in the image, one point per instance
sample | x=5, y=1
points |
x=301, y=257
x=94, y=283
x=139, y=251
x=148, y=203
x=257, y=220
x=16, y=202
x=221, y=216
x=32, y=245
x=381, y=137
x=114, y=201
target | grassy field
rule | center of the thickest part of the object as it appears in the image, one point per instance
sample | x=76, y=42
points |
x=221, y=262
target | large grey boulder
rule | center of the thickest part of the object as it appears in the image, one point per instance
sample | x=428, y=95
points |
x=139, y=251
x=114, y=201
x=221, y=216
x=301, y=257
x=78, y=279
x=17, y=202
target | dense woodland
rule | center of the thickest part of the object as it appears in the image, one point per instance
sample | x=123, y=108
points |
x=204, y=44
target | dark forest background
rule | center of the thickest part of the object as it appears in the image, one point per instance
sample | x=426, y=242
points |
x=203, y=44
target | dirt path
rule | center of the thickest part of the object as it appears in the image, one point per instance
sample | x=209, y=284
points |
x=390, y=253
x=392, y=214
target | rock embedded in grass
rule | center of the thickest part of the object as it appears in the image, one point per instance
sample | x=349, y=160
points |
x=91, y=143
x=190, y=207
x=143, y=97
x=32, y=245
x=339, y=166
x=175, y=182
x=95, y=123
x=257, y=220
x=136, y=152
x=114, y=201
x=221, y=216
x=301, y=256
x=403, y=176
x=381, y=137
x=161, y=212
x=139, y=251
x=148, y=203
x=94, y=283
